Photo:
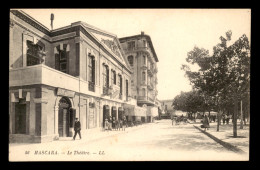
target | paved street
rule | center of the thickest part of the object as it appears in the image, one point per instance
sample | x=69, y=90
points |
x=154, y=141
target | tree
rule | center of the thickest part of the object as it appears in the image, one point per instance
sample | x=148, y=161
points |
x=190, y=102
x=223, y=77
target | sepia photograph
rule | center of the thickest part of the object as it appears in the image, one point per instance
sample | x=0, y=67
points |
x=121, y=84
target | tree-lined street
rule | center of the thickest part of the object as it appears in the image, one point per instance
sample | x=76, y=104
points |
x=154, y=141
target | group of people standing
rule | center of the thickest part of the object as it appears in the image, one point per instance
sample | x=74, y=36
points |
x=226, y=118
x=113, y=123
x=110, y=124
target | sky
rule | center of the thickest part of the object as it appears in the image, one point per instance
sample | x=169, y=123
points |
x=174, y=32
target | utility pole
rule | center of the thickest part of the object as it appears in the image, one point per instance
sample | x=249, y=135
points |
x=52, y=18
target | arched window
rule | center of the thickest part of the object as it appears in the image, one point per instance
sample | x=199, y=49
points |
x=143, y=76
x=130, y=60
x=33, y=57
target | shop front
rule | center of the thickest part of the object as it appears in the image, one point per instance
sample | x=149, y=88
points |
x=106, y=114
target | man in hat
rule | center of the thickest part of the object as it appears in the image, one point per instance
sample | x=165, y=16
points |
x=77, y=128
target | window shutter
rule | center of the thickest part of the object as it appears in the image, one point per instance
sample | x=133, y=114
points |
x=57, y=62
x=93, y=70
x=107, y=77
x=68, y=61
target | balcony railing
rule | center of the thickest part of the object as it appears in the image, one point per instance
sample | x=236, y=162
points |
x=105, y=90
x=91, y=86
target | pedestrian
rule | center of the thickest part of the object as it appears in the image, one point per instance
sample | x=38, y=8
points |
x=206, y=122
x=224, y=118
x=106, y=124
x=124, y=123
x=110, y=123
x=172, y=120
x=228, y=117
x=77, y=128
x=114, y=123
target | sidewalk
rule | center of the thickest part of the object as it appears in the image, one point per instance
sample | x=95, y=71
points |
x=225, y=135
x=90, y=135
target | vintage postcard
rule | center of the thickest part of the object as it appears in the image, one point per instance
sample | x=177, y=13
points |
x=129, y=84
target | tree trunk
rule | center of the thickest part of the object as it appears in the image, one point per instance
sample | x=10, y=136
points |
x=241, y=115
x=218, y=119
x=209, y=113
x=235, y=117
x=194, y=117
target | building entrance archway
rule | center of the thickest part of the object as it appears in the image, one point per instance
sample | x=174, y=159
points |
x=66, y=117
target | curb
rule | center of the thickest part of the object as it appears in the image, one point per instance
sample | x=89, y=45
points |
x=225, y=144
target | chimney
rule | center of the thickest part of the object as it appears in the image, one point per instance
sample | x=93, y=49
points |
x=52, y=18
x=142, y=33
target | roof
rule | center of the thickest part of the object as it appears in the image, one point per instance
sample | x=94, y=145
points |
x=95, y=32
x=149, y=41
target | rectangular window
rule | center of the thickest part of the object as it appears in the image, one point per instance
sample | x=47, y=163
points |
x=63, y=67
x=119, y=82
x=112, y=76
x=63, y=56
x=33, y=57
x=63, y=61
x=131, y=45
x=90, y=69
x=105, y=76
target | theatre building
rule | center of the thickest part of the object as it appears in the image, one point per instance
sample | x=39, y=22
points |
x=57, y=75
x=142, y=59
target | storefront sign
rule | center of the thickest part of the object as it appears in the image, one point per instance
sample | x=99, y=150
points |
x=63, y=92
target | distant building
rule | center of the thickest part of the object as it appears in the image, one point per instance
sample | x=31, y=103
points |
x=167, y=108
x=142, y=58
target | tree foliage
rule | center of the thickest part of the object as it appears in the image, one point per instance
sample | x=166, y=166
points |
x=223, y=77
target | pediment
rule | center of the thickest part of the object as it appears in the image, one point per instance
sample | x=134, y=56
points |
x=110, y=41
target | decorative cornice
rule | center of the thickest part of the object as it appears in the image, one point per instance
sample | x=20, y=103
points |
x=123, y=39
x=30, y=21
x=76, y=28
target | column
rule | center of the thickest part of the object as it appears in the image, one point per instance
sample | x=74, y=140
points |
x=56, y=122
